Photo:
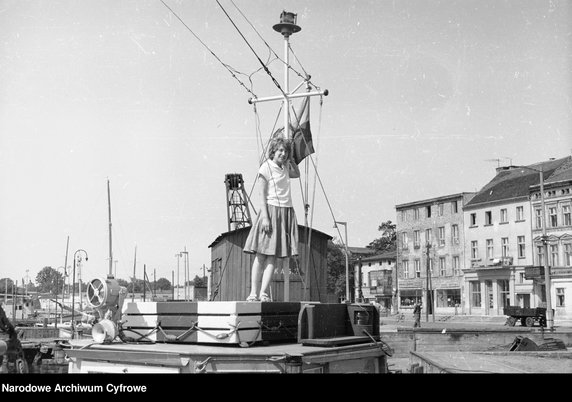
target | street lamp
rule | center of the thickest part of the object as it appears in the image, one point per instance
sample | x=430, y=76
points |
x=345, y=224
x=547, y=284
x=78, y=259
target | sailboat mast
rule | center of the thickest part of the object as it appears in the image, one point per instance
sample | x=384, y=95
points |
x=110, y=275
x=286, y=85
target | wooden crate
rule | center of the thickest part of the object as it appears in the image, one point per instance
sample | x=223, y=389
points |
x=220, y=322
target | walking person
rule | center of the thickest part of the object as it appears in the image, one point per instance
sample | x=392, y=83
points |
x=417, y=315
x=274, y=234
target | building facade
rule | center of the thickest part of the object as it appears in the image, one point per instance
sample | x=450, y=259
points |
x=558, y=210
x=376, y=279
x=431, y=253
x=499, y=240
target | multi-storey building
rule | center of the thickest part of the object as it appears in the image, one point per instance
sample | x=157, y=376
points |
x=375, y=276
x=558, y=210
x=431, y=253
x=498, y=232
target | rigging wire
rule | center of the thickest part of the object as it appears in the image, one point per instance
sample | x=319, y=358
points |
x=230, y=69
x=304, y=77
x=253, y=51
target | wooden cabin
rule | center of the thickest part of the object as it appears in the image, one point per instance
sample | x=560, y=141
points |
x=229, y=278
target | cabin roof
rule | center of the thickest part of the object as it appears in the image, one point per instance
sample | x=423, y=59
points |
x=300, y=227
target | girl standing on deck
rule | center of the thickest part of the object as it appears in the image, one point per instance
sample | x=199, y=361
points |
x=274, y=233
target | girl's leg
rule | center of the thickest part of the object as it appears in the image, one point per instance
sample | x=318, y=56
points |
x=259, y=261
x=267, y=276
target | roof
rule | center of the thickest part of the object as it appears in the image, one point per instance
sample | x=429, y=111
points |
x=433, y=200
x=389, y=255
x=563, y=173
x=361, y=250
x=300, y=227
x=513, y=182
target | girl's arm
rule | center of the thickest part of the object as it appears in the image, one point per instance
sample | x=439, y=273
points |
x=293, y=169
x=266, y=226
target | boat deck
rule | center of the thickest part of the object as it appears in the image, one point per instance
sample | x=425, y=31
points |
x=87, y=356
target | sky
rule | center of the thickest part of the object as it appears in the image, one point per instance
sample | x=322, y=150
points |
x=426, y=98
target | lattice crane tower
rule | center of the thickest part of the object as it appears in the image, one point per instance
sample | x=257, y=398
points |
x=237, y=202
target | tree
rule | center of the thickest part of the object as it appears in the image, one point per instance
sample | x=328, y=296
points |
x=387, y=241
x=336, y=283
x=3, y=283
x=199, y=282
x=163, y=284
x=49, y=280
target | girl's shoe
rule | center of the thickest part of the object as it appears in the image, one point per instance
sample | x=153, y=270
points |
x=264, y=297
x=252, y=298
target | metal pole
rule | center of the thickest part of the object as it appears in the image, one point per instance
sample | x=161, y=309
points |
x=286, y=88
x=65, y=267
x=73, y=300
x=110, y=242
x=427, y=280
x=178, y=255
x=547, y=284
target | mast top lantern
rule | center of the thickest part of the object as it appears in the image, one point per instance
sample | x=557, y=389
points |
x=287, y=25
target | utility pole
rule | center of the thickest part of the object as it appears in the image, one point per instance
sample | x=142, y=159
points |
x=429, y=287
x=133, y=280
x=178, y=255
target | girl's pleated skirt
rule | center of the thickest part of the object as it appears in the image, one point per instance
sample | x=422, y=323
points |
x=282, y=241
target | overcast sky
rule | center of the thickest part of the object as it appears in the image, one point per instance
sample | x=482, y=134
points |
x=425, y=96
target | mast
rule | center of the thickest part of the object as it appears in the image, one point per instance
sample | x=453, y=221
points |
x=110, y=274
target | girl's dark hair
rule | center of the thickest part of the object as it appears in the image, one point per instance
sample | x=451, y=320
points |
x=275, y=143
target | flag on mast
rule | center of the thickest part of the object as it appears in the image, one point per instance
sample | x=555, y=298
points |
x=302, y=139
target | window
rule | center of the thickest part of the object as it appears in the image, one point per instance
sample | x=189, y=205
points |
x=521, y=246
x=488, y=218
x=456, y=266
x=490, y=249
x=428, y=211
x=442, y=267
x=566, y=216
x=404, y=240
x=554, y=255
x=503, y=215
x=538, y=215
x=474, y=249
x=520, y=277
x=448, y=298
x=567, y=254
x=553, y=217
x=406, y=269
x=504, y=292
x=416, y=238
x=455, y=207
x=519, y=213
x=475, y=293
x=504, y=246
x=440, y=209
x=404, y=215
x=417, y=268
x=473, y=219
x=442, y=236
x=560, y=297
x=416, y=213
x=455, y=234
x=428, y=236
x=540, y=255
